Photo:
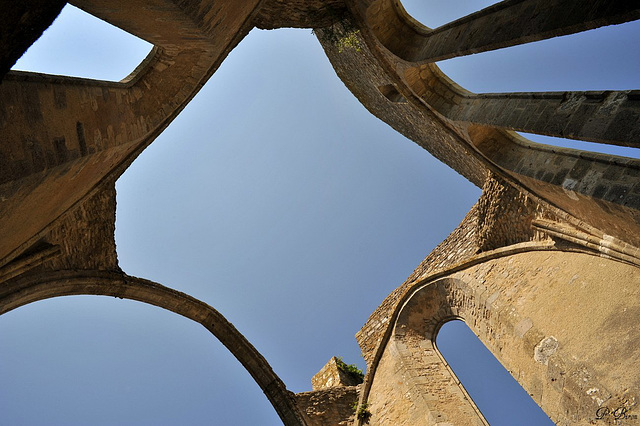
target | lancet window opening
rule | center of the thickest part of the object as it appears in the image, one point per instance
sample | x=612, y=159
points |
x=489, y=381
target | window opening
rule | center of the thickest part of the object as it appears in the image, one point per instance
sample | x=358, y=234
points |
x=494, y=391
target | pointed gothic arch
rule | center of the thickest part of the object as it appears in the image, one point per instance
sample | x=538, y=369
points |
x=30, y=289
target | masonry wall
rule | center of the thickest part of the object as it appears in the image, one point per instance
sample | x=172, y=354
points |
x=502, y=216
x=560, y=322
x=330, y=406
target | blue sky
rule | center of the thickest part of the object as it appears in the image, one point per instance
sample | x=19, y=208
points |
x=279, y=200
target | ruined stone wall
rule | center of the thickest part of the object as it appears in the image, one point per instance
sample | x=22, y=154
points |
x=558, y=321
x=598, y=189
x=413, y=386
x=504, y=216
x=603, y=193
x=501, y=217
x=334, y=373
x=63, y=136
x=561, y=318
x=329, y=407
x=55, y=121
x=86, y=235
x=564, y=328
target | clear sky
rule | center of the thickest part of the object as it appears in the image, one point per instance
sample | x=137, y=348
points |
x=279, y=200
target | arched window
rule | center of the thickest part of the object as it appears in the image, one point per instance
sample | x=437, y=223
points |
x=495, y=392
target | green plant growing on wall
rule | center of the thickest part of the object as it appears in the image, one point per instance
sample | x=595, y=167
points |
x=350, y=369
x=349, y=41
x=343, y=35
x=362, y=412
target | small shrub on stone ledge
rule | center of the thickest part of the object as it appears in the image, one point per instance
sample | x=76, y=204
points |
x=351, y=369
x=363, y=412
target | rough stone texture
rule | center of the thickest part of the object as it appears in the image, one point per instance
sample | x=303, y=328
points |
x=329, y=407
x=607, y=117
x=333, y=375
x=299, y=13
x=85, y=235
x=413, y=386
x=501, y=217
x=609, y=204
x=597, y=189
x=544, y=268
x=504, y=216
x=66, y=140
x=554, y=320
x=63, y=136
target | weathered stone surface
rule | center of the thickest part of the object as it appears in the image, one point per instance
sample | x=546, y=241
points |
x=329, y=407
x=85, y=235
x=334, y=374
x=299, y=13
x=547, y=316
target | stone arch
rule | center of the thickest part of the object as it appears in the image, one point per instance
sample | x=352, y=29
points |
x=27, y=290
x=526, y=308
x=419, y=373
x=496, y=392
x=414, y=339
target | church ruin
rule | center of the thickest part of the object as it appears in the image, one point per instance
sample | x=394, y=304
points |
x=544, y=268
